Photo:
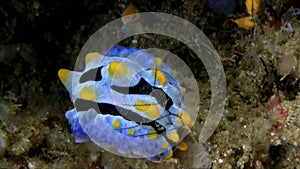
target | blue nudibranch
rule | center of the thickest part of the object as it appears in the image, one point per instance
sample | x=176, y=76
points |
x=128, y=102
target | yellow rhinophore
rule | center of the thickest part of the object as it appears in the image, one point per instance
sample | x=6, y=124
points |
x=253, y=6
x=117, y=69
x=91, y=56
x=88, y=93
x=63, y=75
x=160, y=76
x=245, y=22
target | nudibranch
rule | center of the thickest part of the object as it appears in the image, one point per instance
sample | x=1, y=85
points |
x=128, y=102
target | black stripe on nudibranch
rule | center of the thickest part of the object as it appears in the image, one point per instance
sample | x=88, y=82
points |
x=157, y=126
x=105, y=108
x=91, y=75
x=144, y=88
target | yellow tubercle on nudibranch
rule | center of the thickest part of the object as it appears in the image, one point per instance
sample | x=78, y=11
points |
x=91, y=56
x=150, y=110
x=165, y=145
x=170, y=155
x=130, y=131
x=142, y=106
x=152, y=134
x=88, y=93
x=64, y=75
x=173, y=136
x=245, y=22
x=186, y=118
x=183, y=90
x=160, y=76
x=253, y=6
x=117, y=69
x=116, y=124
x=179, y=122
x=183, y=146
x=174, y=72
x=153, y=112
x=158, y=61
